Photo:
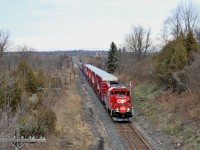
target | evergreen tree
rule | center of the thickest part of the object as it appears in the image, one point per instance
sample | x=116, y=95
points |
x=172, y=58
x=179, y=58
x=163, y=60
x=191, y=45
x=31, y=85
x=41, y=78
x=112, y=58
x=10, y=94
x=27, y=77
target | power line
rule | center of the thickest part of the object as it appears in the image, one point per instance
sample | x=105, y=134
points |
x=19, y=142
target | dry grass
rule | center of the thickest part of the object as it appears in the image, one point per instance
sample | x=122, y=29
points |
x=49, y=145
x=174, y=114
x=72, y=132
x=70, y=126
x=186, y=104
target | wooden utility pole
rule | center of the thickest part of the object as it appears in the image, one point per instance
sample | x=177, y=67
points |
x=70, y=77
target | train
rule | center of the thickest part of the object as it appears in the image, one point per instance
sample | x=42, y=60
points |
x=115, y=96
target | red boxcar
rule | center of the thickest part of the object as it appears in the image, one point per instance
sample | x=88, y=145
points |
x=115, y=96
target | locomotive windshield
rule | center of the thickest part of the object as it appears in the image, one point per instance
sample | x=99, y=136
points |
x=119, y=92
x=113, y=82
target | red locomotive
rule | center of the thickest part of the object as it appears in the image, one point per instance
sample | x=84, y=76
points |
x=115, y=96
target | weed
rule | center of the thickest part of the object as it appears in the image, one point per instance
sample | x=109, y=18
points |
x=198, y=143
x=188, y=133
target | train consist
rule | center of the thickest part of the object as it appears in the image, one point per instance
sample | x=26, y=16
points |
x=115, y=96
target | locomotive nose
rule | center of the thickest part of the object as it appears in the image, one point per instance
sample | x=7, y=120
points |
x=122, y=109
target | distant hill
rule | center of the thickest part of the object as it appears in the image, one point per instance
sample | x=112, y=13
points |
x=71, y=52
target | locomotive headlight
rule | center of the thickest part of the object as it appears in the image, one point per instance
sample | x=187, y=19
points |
x=117, y=110
x=121, y=100
x=128, y=109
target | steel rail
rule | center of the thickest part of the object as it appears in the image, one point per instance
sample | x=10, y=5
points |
x=139, y=136
x=132, y=136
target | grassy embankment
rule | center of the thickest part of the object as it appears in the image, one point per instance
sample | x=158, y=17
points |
x=146, y=96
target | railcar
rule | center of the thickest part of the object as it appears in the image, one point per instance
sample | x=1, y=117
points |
x=113, y=95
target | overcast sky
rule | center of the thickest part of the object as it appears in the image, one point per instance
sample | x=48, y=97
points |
x=79, y=24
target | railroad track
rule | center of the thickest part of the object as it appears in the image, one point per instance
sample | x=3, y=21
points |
x=133, y=138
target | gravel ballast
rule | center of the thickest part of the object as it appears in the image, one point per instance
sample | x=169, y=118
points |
x=101, y=124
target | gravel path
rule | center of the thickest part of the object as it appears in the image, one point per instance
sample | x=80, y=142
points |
x=101, y=124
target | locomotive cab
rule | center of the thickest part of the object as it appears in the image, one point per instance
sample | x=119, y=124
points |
x=119, y=102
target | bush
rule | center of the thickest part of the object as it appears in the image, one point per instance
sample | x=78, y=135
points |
x=193, y=74
x=38, y=124
x=191, y=45
x=27, y=77
x=41, y=78
x=47, y=120
x=172, y=58
x=29, y=126
x=10, y=94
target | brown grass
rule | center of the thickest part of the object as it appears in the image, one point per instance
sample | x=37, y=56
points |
x=72, y=132
x=186, y=104
x=69, y=122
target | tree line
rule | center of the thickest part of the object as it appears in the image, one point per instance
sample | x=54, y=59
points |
x=28, y=90
x=179, y=47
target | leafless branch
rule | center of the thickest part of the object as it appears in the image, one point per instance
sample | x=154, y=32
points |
x=186, y=16
x=4, y=40
x=139, y=41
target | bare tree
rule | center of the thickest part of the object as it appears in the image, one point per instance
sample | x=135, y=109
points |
x=139, y=41
x=63, y=59
x=197, y=35
x=186, y=16
x=174, y=22
x=122, y=59
x=24, y=51
x=4, y=39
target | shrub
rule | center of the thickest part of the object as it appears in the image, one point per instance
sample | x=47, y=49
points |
x=191, y=45
x=29, y=126
x=10, y=94
x=27, y=77
x=41, y=78
x=172, y=58
x=38, y=124
x=47, y=120
x=193, y=74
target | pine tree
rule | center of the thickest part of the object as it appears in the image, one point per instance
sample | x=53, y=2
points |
x=27, y=77
x=191, y=45
x=31, y=85
x=163, y=60
x=179, y=58
x=14, y=95
x=41, y=78
x=112, y=58
x=10, y=94
x=172, y=58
